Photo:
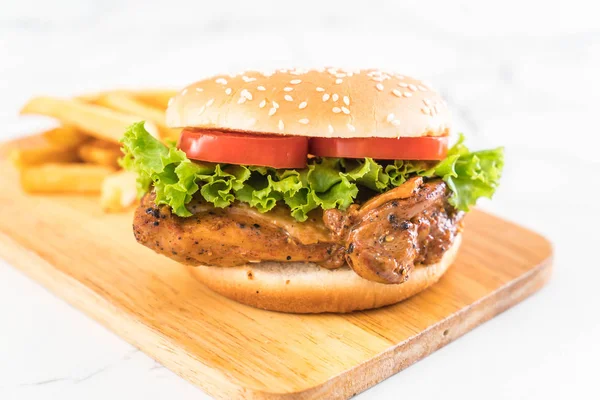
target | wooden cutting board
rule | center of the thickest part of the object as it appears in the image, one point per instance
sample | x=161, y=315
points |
x=233, y=351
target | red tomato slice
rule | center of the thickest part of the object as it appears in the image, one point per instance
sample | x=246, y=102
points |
x=244, y=149
x=405, y=148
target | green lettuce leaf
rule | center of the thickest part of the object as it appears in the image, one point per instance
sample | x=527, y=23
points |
x=325, y=182
x=469, y=175
x=367, y=173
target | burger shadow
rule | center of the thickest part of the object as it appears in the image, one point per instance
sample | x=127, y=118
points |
x=176, y=305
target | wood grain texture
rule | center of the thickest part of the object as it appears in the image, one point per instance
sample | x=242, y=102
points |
x=233, y=351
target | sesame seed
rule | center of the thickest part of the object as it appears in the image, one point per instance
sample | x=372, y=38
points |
x=400, y=76
x=302, y=105
x=330, y=129
x=345, y=110
x=320, y=89
x=304, y=121
x=402, y=84
x=390, y=117
x=228, y=91
x=335, y=97
x=295, y=81
x=377, y=79
x=171, y=100
x=262, y=104
x=287, y=89
x=201, y=111
x=427, y=102
x=336, y=110
x=326, y=97
x=272, y=111
x=280, y=125
x=351, y=127
x=397, y=93
x=261, y=88
x=338, y=81
x=222, y=81
x=210, y=102
x=412, y=87
x=246, y=79
x=199, y=89
x=437, y=108
x=245, y=93
x=275, y=104
x=395, y=122
x=426, y=110
x=241, y=100
x=288, y=97
x=422, y=88
x=347, y=100
x=340, y=75
x=184, y=91
x=406, y=94
x=379, y=87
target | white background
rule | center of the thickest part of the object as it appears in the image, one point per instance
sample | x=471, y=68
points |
x=522, y=74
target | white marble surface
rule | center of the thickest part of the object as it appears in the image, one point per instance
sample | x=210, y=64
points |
x=520, y=73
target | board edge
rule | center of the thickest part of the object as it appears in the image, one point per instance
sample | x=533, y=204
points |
x=400, y=356
x=344, y=385
x=43, y=273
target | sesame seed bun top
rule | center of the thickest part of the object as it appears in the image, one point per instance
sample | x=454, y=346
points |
x=318, y=103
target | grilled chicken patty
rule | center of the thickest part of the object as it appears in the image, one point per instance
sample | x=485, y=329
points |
x=382, y=239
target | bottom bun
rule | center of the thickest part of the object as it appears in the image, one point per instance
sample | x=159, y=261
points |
x=308, y=288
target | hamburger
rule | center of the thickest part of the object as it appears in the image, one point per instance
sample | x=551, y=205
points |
x=309, y=191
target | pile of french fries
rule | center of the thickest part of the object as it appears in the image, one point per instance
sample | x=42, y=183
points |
x=81, y=155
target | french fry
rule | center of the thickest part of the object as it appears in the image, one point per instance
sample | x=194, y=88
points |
x=127, y=103
x=65, y=136
x=64, y=178
x=100, y=152
x=118, y=191
x=157, y=97
x=26, y=157
x=94, y=120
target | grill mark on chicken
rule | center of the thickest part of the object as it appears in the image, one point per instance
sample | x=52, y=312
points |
x=382, y=241
x=233, y=236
